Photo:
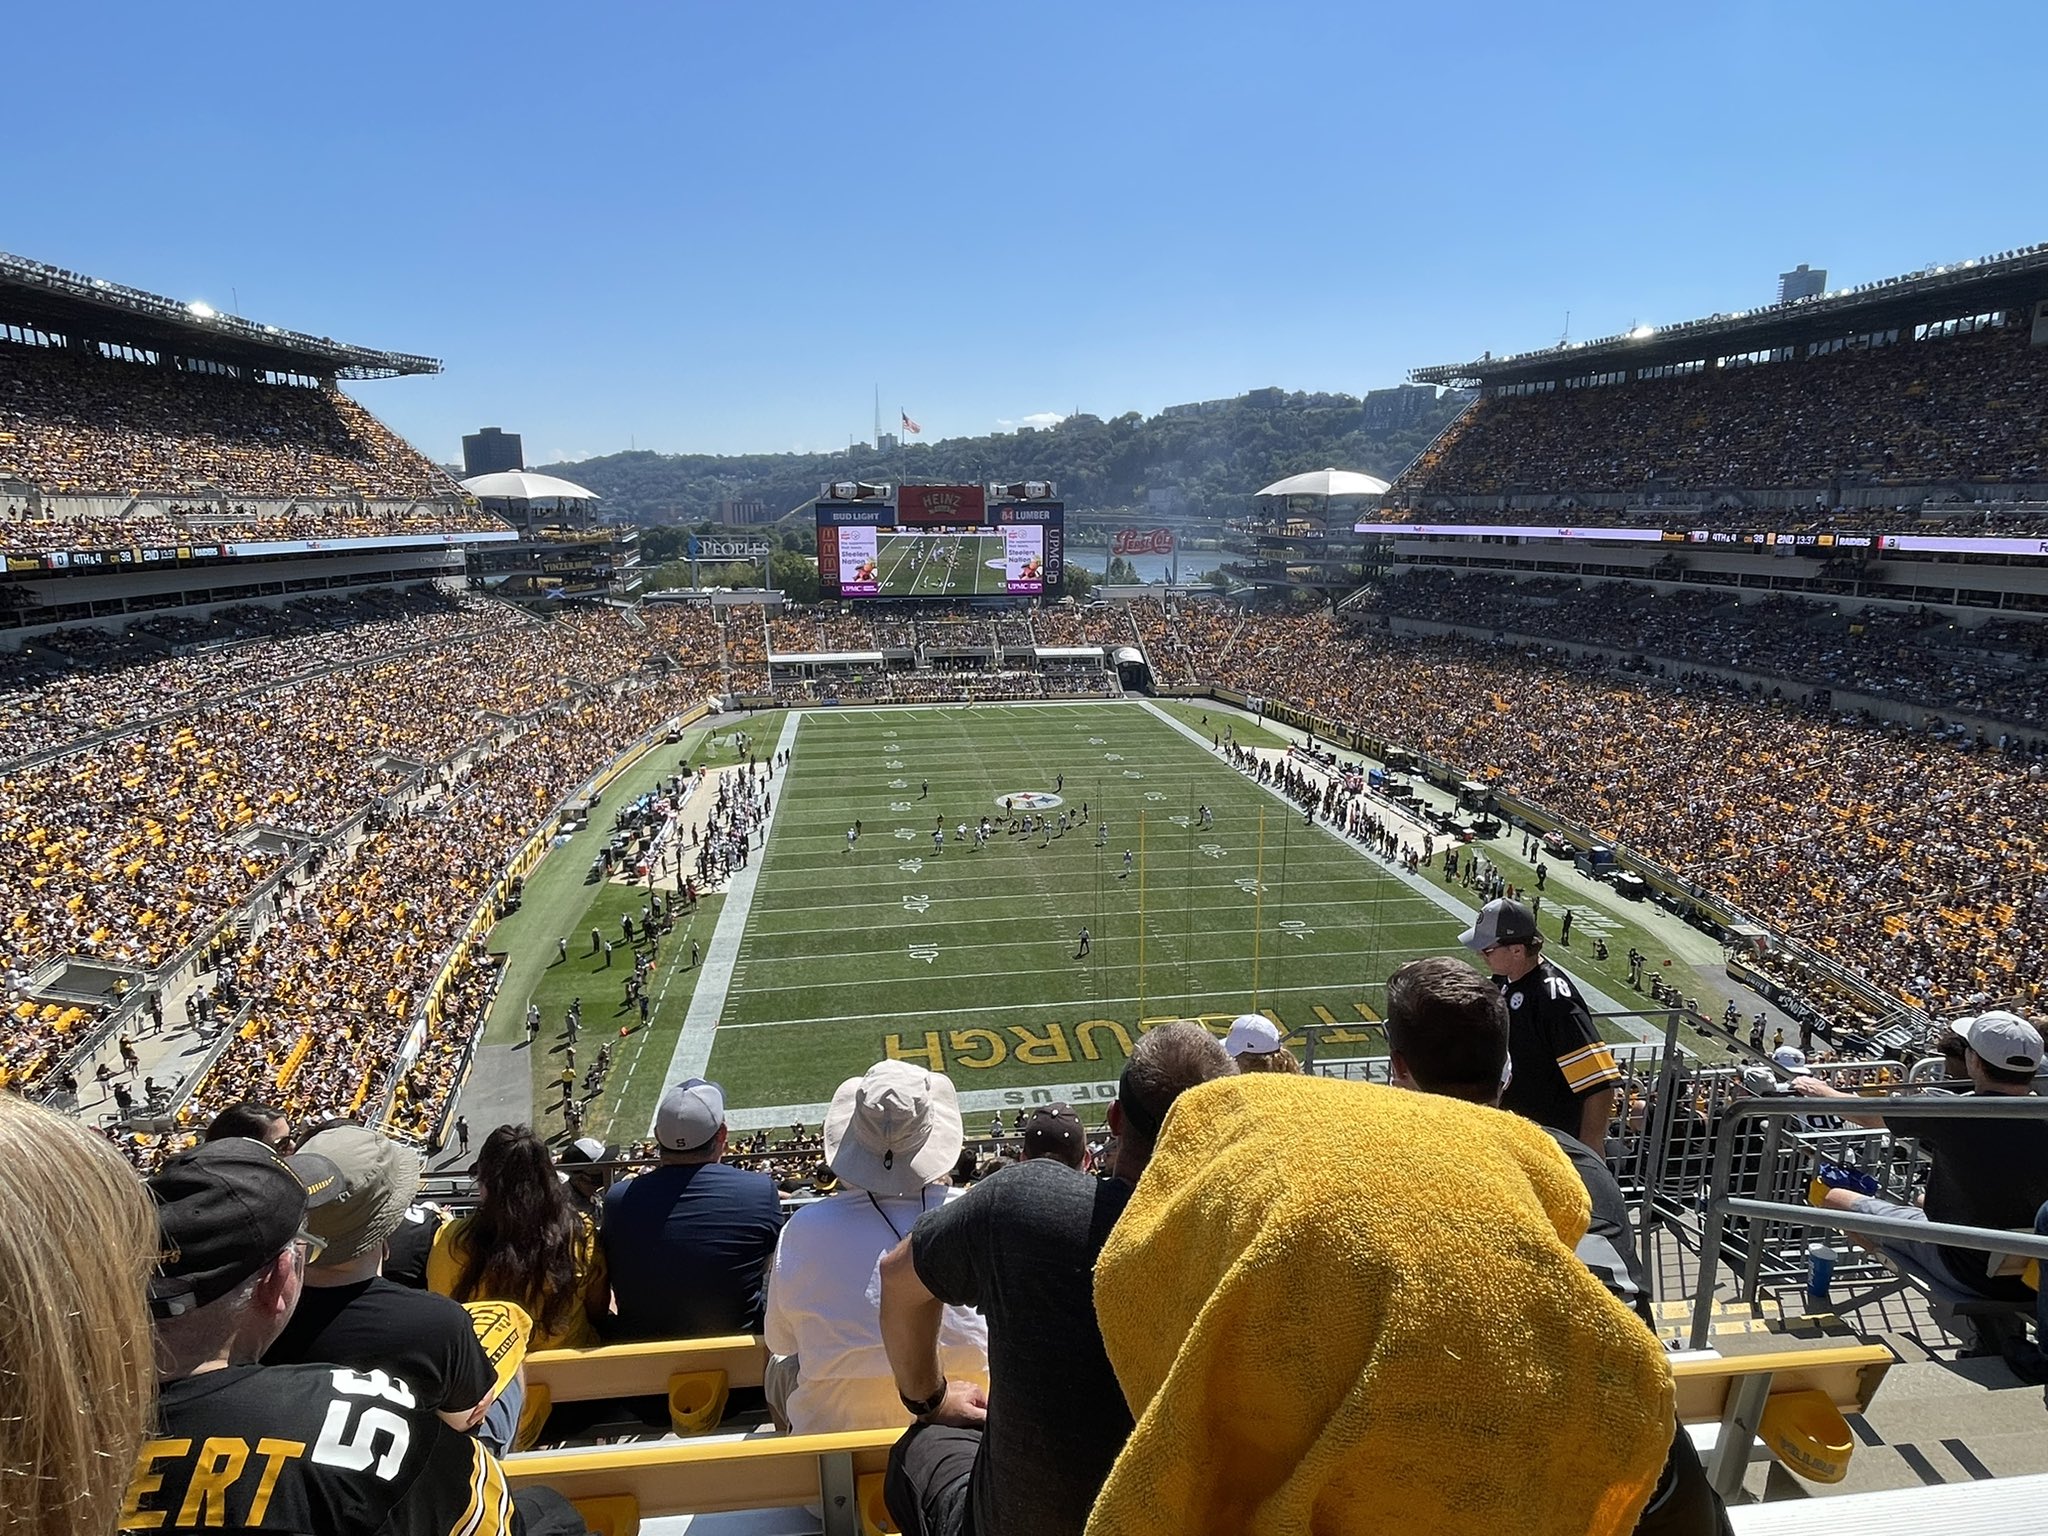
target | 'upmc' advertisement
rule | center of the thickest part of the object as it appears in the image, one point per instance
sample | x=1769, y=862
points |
x=1024, y=560
x=857, y=573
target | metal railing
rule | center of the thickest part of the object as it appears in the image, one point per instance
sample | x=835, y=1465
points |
x=1722, y=1206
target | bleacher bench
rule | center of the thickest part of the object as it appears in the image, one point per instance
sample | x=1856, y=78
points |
x=840, y=1474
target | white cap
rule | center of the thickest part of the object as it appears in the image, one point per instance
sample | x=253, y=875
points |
x=690, y=1114
x=1251, y=1034
x=1790, y=1057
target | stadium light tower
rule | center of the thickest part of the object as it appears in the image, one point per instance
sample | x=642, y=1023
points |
x=200, y=309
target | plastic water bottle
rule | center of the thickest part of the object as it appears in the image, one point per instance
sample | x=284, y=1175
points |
x=1820, y=1275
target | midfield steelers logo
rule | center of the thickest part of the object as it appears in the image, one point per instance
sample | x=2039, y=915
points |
x=1030, y=800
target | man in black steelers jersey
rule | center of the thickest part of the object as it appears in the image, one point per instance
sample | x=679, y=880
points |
x=314, y=1449
x=1564, y=1075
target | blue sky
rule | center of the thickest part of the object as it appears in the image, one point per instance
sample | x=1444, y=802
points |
x=716, y=228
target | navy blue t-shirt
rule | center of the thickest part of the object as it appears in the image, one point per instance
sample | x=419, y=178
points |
x=687, y=1247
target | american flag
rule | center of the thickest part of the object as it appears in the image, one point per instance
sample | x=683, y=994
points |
x=909, y=425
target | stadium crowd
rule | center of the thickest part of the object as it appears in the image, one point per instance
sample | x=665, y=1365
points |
x=86, y=682
x=1919, y=861
x=139, y=845
x=336, y=985
x=100, y=426
x=1185, y=641
x=1998, y=671
x=1955, y=408
x=798, y=631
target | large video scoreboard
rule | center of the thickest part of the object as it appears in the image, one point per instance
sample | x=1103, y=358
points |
x=939, y=541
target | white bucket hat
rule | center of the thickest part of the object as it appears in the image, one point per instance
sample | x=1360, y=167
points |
x=894, y=1130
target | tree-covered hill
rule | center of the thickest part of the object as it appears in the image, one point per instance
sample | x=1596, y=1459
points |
x=1214, y=455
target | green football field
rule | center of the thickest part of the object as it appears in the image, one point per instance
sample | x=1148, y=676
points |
x=825, y=958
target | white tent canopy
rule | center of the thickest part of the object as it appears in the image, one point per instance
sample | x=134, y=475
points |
x=521, y=485
x=1327, y=483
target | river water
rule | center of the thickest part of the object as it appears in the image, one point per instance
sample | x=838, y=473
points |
x=1193, y=562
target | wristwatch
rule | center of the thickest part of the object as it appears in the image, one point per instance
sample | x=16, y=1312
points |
x=927, y=1405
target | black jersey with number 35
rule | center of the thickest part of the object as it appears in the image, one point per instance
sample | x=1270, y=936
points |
x=312, y=1449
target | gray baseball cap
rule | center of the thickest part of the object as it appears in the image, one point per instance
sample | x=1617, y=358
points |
x=689, y=1115
x=1500, y=922
x=2003, y=1039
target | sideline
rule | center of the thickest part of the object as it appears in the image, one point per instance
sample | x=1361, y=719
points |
x=721, y=952
x=1599, y=1001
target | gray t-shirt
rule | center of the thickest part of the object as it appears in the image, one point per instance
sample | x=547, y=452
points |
x=1021, y=1246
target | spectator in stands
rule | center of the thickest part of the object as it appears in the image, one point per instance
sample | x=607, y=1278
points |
x=1054, y=1130
x=1564, y=1075
x=411, y=1244
x=891, y=1139
x=257, y=1121
x=77, y=1241
x=349, y=1315
x=1254, y=1044
x=586, y=1184
x=525, y=1244
x=1020, y=1247
x=688, y=1243
x=1447, y=1029
x=1982, y=1173
x=235, y=1437
x=1447, y=1229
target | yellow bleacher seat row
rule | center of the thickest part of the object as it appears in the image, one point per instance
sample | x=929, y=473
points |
x=838, y=1474
x=841, y=1473
x=642, y=1368
x=696, y=1375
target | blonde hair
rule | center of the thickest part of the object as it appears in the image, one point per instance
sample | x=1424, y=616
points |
x=1279, y=1059
x=77, y=1383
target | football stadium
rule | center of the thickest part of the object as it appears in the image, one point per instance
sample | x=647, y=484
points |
x=1703, y=666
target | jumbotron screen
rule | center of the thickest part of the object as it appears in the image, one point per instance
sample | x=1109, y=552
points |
x=1013, y=551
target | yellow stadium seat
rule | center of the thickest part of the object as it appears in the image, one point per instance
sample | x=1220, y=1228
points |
x=611, y=1514
x=696, y=1401
x=1808, y=1435
x=874, y=1508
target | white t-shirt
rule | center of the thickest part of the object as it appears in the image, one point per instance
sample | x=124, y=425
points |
x=824, y=1306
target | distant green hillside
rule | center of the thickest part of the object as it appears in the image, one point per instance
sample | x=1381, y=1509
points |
x=1214, y=455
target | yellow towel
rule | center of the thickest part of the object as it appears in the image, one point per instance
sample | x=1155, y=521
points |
x=1335, y=1307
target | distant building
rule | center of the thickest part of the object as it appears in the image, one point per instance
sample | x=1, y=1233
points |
x=1401, y=406
x=1802, y=282
x=739, y=513
x=489, y=450
x=1200, y=407
x=885, y=441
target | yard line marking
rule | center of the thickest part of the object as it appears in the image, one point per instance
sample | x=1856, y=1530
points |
x=1600, y=1001
x=1159, y=937
x=895, y=925
x=1072, y=1006
x=700, y=1024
